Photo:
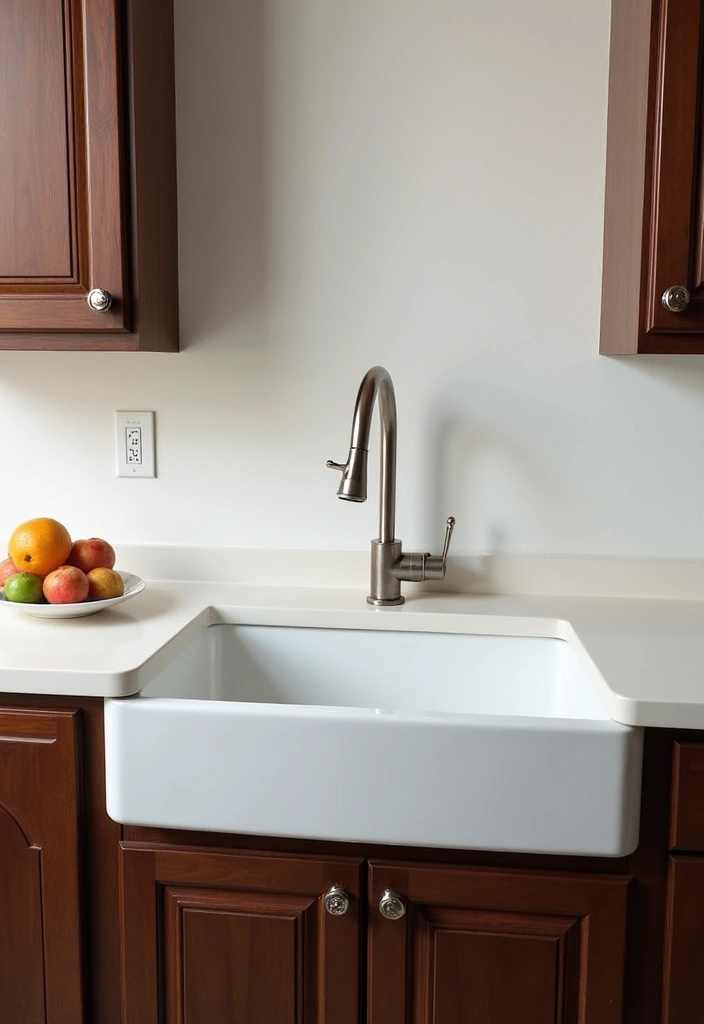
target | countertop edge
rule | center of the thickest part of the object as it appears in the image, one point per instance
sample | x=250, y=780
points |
x=646, y=655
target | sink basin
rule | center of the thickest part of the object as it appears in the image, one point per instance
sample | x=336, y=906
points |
x=378, y=736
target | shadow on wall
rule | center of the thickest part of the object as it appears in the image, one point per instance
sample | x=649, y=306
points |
x=477, y=459
x=221, y=132
x=681, y=372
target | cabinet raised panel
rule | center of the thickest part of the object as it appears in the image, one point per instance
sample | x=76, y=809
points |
x=483, y=946
x=221, y=936
x=653, y=292
x=40, y=939
x=87, y=175
x=683, y=997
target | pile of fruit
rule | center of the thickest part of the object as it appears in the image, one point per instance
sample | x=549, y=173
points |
x=44, y=564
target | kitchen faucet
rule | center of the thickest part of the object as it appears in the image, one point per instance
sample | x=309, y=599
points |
x=390, y=564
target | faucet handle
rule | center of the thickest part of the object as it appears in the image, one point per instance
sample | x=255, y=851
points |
x=435, y=566
x=449, y=527
x=336, y=465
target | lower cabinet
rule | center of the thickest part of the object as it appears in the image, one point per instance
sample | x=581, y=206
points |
x=488, y=946
x=221, y=936
x=41, y=976
x=683, y=992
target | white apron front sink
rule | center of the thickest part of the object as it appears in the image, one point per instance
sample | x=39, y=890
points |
x=378, y=736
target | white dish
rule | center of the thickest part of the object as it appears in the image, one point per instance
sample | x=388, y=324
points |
x=133, y=585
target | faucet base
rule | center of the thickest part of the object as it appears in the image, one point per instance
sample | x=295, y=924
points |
x=385, y=602
x=384, y=589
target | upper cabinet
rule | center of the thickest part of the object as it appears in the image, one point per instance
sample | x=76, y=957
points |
x=653, y=281
x=88, y=230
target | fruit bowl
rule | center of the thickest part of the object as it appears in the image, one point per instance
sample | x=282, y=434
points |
x=133, y=585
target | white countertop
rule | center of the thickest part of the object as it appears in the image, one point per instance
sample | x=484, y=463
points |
x=649, y=653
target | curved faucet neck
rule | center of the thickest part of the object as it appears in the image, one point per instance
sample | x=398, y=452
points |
x=377, y=384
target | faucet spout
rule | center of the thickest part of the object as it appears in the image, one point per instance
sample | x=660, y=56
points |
x=376, y=386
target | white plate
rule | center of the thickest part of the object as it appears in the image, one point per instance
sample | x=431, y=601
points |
x=133, y=585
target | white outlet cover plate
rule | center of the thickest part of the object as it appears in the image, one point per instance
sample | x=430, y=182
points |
x=124, y=423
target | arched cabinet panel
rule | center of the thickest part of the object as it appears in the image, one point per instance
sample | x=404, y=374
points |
x=40, y=941
x=21, y=950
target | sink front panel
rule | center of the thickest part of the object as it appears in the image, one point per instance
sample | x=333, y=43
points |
x=419, y=739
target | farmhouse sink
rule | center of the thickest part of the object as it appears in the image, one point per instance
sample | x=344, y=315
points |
x=378, y=736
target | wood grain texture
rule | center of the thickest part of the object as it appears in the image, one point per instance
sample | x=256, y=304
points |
x=110, y=161
x=683, y=993
x=216, y=935
x=687, y=820
x=490, y=945
x=99, y=836
x=647, y=892
x=654, y=179
x=625, y=175
x=41, y=961
x=21, y=949
x=34, y=175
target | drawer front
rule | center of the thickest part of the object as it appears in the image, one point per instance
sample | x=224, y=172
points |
x=687, y=819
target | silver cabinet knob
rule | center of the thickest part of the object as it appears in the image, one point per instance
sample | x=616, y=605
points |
x=336, y=901
x=99, y=300
x=391, y=905
x=676, y=299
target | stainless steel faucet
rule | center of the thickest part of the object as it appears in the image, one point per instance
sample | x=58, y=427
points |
x=389, y=563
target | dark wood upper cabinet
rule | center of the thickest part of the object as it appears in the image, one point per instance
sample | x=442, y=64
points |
x=654, y=213
x=488, y=946
x=87, y=175
x=41, y=966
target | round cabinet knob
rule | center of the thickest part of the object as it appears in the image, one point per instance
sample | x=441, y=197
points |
x=336, y=901
x=391, y=905
x=676, y=298
x=99, y=300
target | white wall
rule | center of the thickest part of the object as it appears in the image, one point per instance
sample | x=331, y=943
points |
x=379, y=181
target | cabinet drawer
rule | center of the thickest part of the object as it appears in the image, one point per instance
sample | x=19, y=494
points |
x=687, y=818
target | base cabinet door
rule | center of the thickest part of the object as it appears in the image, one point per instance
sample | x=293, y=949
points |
x=40, y=937
x=219, y=937
x=683, y=991
x=455, y=945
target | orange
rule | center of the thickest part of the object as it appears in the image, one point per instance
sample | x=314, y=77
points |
x=39, y=546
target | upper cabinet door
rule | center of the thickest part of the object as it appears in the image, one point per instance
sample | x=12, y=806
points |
x=61, y=181
x=87, y=175
x=653, y=284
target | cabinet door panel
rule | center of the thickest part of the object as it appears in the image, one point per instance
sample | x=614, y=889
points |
x=676, y=214
x=253, y=944
x=478, y=966
x=40, y=942
x=683, y=994
x=220, y=936
x=62, y=202
x=654, y=209
x=21, y=953
x=482, y=946
x=34, y=179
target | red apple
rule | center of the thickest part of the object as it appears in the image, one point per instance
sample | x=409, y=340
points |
x=66, y=585
x=7, y=569
x=93, y=553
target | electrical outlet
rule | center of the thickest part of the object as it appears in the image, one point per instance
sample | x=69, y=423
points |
x=134, y=446
x=135, y=443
